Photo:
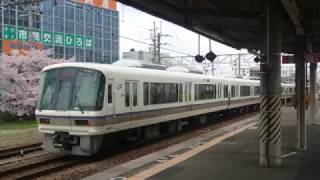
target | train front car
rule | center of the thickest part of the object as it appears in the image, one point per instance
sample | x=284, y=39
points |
x=70, y=106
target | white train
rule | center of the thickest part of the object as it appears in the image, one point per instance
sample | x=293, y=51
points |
x=84, y=106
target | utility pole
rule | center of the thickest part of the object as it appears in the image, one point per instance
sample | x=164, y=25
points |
x=154, y=43
x=30, y=24
x=158, y=52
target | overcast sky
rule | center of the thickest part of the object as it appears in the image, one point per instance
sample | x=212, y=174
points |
x=136, y=24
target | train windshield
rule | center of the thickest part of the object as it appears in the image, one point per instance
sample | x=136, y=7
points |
x=76, y=89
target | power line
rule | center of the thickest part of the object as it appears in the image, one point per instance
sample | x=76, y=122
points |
x=138, y=41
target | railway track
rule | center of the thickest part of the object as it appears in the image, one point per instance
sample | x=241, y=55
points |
x=36, y=166
x=21, y=150
x=44, y=164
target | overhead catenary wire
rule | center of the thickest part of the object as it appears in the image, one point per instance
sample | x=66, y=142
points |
x=141, y=42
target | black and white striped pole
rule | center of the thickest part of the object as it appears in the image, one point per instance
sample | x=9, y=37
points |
x=270, y=102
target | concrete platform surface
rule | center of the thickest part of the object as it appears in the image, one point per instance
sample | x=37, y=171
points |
x=237, y=157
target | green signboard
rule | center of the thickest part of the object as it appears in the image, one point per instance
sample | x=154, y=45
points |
x=49, y=38
x=22, y=34
x=10, y=33
x=69, y=40
x=36, y=36
x=79, y=41
x=58, y=39
x=88, y=42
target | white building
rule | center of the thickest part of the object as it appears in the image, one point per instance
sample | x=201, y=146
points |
x=147, y=56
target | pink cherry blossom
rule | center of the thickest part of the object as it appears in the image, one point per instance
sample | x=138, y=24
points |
x=20, y=79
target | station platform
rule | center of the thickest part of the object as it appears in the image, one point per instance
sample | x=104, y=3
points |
x=237, y=157
x=231, y=152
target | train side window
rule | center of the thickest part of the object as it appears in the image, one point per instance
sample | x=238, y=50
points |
x=186, y=92
x=189, y=92
x=161, y=93
x=233, y=91
x=146, y=93
x=180, y=94
x=244, y=91
x=225, y=91
x=109, y=93
x=219, y=91
x=196, y=92
x=214, y=91
x=127, y=94
x=257, y=90
x=135, y=93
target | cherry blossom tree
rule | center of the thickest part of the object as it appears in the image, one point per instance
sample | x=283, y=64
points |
x=20, y=79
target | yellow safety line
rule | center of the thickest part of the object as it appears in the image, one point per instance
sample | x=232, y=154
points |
x=160, y=167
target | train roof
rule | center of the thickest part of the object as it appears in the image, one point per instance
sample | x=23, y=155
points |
x=105, y=68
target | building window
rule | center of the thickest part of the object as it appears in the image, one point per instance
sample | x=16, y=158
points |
x=58, y=25
x=79, y=55
x=58, y=52
x=98, y=56
x=58, y=10
x=69, y=12
x=69, y=27
x=98, y=16
x=89, y=55
x=89, y=14
x=79, y=12
x=69, y=53
x=89, y=30
x=79, y=28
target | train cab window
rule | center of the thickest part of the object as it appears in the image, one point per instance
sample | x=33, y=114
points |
x=127, y=94
x=109, y=93
x=225, y=91
x=146, y=93
x=135, y=93
x=233, y=91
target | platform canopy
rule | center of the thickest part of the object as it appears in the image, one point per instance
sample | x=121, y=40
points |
x=237, y=23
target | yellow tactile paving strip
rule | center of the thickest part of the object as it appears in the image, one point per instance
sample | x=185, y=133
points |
x=160, y=167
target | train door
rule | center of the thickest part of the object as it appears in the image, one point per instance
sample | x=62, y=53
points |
x=110, y=101
x=131, y=98
x=187, y=92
